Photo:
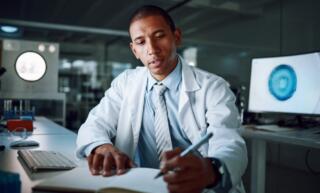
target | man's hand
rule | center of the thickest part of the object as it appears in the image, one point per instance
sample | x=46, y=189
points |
x=106, y=158
x=187, y=174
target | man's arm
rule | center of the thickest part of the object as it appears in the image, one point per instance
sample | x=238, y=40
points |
x=96, y=135
x=101, y=123
x=223, y=120
x=192, y=173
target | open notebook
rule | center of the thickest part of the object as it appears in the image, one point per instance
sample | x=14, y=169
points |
x=80, y=180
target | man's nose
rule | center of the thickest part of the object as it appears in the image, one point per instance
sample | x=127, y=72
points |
x=152, y=47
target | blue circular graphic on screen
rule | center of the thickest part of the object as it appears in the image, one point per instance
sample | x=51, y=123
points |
x=282, y=82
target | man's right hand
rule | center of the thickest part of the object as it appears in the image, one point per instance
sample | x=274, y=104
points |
x=105, y=159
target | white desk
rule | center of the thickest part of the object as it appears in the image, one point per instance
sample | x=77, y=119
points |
x=51, y=137
x=44, y=126
x=308, y=138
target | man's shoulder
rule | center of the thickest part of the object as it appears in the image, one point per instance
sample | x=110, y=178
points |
x=133, y=73
x=139, y=70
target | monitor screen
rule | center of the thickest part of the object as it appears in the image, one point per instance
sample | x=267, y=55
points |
x=288, y=84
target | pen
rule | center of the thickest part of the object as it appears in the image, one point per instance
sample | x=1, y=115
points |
x=191, y=148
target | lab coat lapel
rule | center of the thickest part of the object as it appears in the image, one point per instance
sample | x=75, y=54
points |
x=137, y=104
x=186, y=114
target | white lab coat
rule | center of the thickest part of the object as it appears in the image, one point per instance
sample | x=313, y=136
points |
x=206, y=104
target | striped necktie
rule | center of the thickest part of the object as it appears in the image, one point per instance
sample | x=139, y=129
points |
x=161, y=124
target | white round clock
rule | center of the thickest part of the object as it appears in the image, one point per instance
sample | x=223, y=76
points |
x=30, y=66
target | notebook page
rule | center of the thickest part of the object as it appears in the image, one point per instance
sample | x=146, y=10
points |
x=81, y=180
x=140, y=180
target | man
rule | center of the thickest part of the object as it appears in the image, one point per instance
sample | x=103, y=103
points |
x=135, y=125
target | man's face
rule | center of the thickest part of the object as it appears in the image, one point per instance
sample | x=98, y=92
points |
x=155, y=45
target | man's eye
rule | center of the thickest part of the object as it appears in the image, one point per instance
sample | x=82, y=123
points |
x=160, y=35
x=141, y=42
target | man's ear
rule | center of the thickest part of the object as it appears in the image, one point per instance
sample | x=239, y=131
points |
x=178, y=36
x=133, y=50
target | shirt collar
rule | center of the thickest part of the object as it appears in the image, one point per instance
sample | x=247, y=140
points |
x=172, y=81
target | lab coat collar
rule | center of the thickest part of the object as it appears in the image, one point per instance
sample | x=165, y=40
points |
x=189, y=82
x=186, y=99
x=137, y=103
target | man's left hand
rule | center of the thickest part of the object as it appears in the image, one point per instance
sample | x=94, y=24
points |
x=187, y=174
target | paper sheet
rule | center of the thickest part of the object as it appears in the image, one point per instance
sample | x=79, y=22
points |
x=81, y=180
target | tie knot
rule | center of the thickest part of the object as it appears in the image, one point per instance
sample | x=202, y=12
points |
x=159, y=88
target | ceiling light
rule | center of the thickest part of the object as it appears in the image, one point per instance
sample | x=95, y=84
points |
x=9, y=29
x=41, y=47
x=52, y=48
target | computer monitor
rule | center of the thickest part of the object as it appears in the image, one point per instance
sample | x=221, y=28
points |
x=286, y=84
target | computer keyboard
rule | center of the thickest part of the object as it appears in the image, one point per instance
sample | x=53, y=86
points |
x=38, y=160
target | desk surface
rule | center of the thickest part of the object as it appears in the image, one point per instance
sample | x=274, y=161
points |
x=43, y=125
x=51, y=137
x=305, y=137
x=54, y=137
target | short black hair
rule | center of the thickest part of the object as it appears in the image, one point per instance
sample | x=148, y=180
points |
x=151, y=10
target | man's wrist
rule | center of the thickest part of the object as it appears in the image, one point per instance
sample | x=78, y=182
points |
x=102, y=149
x=217, y=169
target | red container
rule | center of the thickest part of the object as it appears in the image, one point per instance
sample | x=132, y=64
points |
x=18, y=124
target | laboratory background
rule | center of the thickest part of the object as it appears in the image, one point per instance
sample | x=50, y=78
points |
x=58, y=57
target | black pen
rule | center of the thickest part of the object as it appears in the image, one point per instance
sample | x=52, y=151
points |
x=191, y=148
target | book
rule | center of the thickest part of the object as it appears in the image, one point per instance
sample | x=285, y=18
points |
x=135, y=180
